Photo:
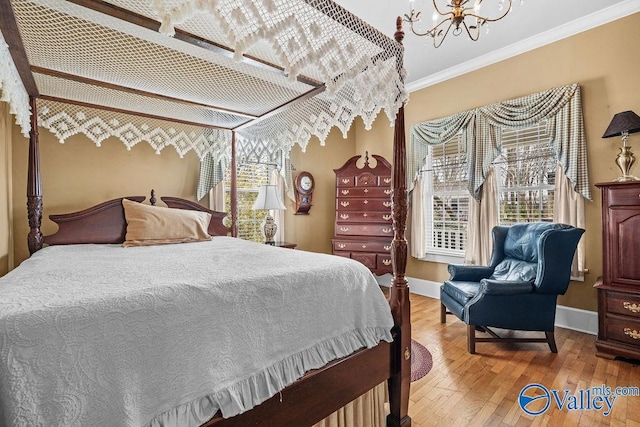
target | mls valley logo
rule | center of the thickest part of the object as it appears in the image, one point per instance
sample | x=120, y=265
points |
x=535, y=399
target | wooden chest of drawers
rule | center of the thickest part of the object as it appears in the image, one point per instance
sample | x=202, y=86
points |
x=619, y=286
x=363, y=225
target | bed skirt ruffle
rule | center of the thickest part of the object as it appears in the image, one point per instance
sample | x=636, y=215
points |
x=247, y=393
x=366, y=410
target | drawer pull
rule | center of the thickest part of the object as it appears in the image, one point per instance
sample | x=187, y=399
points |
x=345, y=180
x=386, y=261
x=344, y=229
x=344, y=204
x=342, y=245
x=387, y=180
x=345, y=192
x=364, y=246
x=386, y=204
x=387, y=230
x=366, y=190
x=634, y=308
x=365, y=214
x=632, y=333
x=386, y=217
x=387, y=191
x=366, y=201
x=344, y=216
x=387, y=247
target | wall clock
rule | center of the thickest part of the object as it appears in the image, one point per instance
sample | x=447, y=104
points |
x=304, y=185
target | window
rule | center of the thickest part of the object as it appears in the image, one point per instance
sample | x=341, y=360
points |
x=447, y=198
x=250, y=176
x=526, y=171
x=526, y=179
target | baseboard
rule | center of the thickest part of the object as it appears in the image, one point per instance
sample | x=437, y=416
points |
x=426, y=288
x=566, y=317
x=577, y=319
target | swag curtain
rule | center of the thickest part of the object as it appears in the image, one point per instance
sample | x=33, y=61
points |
x=483, y=216
x=418, y=246
x=568, y=208
x=211, y=174
x=211, y=177
x=481, y=128
x=562, y=108
x=434, y=132
x=211, y=180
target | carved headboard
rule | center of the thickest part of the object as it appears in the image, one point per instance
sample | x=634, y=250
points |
x=105, y=223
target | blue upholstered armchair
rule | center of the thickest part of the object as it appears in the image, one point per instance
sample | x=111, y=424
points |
x=530, y=266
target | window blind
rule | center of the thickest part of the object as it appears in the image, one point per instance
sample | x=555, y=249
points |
x=447, y=198
x=250, y=176
x=526, y=175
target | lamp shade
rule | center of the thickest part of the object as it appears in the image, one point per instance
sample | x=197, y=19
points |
x=268, y=198
x=627, y=121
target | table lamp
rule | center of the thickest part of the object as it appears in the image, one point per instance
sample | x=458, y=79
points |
x=623, y=124
x=268, y=200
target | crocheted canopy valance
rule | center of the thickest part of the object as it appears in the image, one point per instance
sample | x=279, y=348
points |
x=275, y=71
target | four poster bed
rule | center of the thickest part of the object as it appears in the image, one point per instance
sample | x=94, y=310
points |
x=225, y=79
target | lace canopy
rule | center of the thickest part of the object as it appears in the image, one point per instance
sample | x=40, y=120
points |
x=186, y=73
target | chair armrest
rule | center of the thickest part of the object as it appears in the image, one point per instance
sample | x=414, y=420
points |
x=470, y=273
x=505, y=287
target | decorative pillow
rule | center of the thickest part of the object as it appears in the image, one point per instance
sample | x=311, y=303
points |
x=155, y=225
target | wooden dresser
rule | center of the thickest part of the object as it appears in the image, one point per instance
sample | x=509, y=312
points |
x=363, y=225
x=619, y=287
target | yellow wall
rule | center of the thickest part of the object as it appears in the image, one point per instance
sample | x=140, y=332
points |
x=6, y=244
x=77, y=175
x=313, y=232
x=603, y=61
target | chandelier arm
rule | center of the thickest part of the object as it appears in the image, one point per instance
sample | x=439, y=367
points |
x=482, y=18
x=457, y=16
x=437, y=45
x=475, y=39
x=438, y=9
x=432, y=31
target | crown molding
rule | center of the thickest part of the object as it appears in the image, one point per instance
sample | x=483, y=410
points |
x=595, y=19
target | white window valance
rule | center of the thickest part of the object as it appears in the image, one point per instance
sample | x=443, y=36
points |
x=12, y=90
x=65, y=120
x=253, y=58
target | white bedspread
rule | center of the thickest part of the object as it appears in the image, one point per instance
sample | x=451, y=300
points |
x=100, y=335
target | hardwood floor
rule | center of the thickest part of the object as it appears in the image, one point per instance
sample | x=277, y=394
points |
x=482, y=389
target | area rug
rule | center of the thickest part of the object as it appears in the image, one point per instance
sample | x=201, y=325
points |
x=421, y=361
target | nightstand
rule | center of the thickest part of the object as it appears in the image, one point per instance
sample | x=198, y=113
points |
x=285, y=245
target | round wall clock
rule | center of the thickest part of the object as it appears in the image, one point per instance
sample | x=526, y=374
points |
x=304, y=185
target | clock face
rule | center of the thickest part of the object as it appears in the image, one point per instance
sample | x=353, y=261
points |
x=306, y=183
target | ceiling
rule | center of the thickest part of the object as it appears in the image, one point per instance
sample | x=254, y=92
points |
x=530, y=24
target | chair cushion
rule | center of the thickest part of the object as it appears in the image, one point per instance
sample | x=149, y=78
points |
x=515, y=269
x=461, y=291
x=521, y=241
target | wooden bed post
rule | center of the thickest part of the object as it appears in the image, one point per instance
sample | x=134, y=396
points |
x=34, y=184
x=234, y=186
x=399, y=383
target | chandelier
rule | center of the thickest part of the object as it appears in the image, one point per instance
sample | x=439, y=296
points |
x=458, y=16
